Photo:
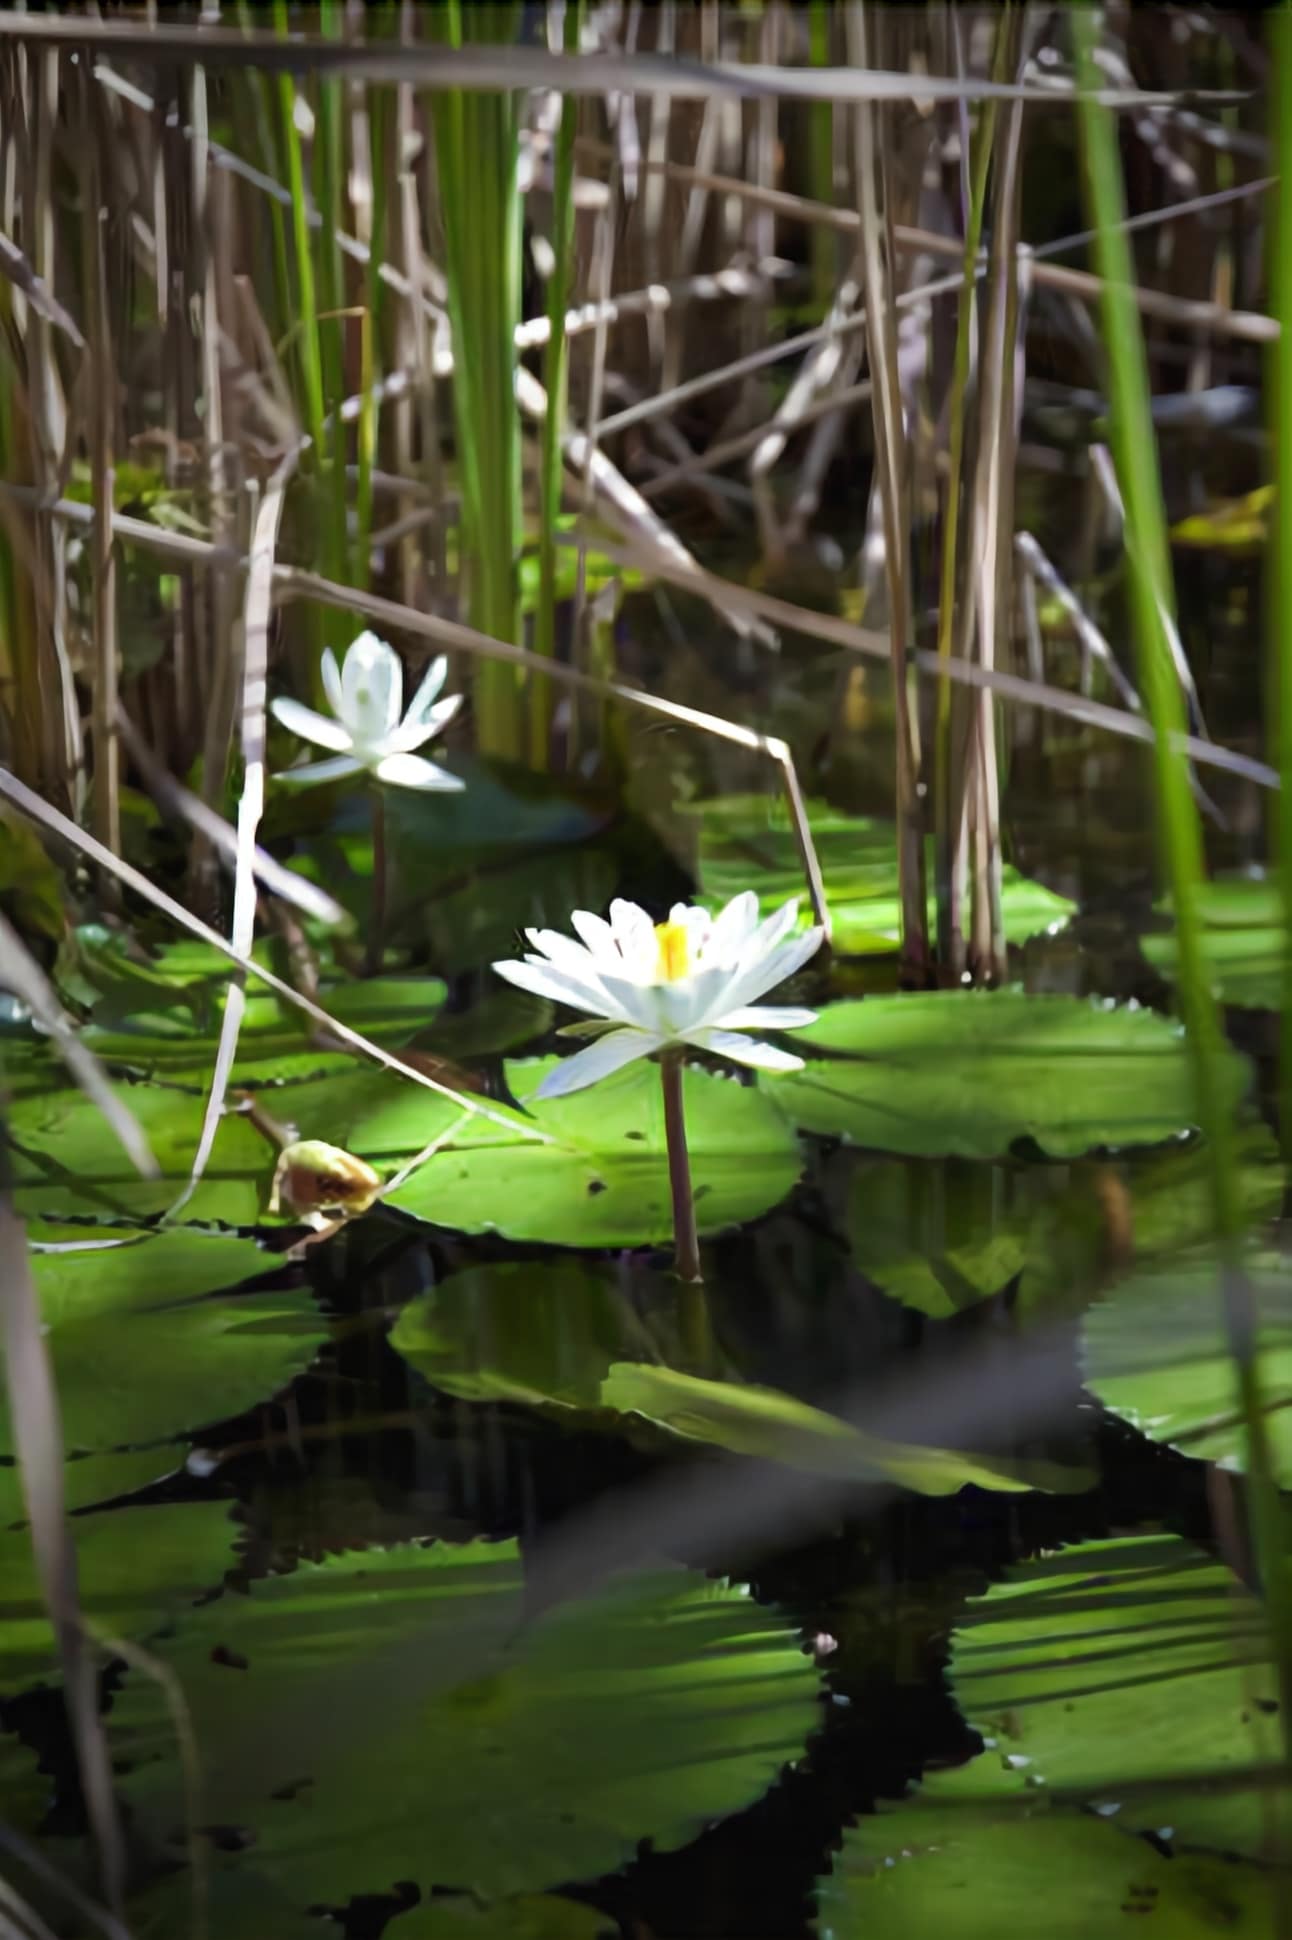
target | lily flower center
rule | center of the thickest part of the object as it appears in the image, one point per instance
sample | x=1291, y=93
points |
x=675, y=959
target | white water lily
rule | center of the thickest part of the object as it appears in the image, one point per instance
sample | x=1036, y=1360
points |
x=365, y=729
x=693, y=980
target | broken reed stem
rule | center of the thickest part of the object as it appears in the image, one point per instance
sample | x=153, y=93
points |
x=686, y=1244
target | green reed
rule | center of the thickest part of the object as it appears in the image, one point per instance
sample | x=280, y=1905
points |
x=1179, y=822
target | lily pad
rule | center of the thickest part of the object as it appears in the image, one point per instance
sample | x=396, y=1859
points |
x=940, y=1237
x=970, y=1073
x=142, y=1352
x=746, y=842
x=402, y=1715
x=1097, y=1674
x=135, y=1569
x=89, y=1479
x=599, y=1176
x=1242, y=941
x=1155, y=1352
x=67, y=1160
x=274, y=1040
x=531, y=1916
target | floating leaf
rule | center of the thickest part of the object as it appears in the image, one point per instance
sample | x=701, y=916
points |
x=139, y=1355
x=532, y=1916
x=747, y=842
x=772, y=1425
x=1156, y=1353
x=135, y=1567
x=1242, y=942
x=66, y=1160
x=1097, y=1674
x=274, y=1041
x=88, y=1479
x=601, y=1177
x=972, y=1072
x=404, y=1716
x=943, y=1236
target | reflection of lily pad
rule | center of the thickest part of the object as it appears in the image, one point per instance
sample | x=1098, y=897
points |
x=1096, y=1673
x=746, y=842
x=402, y=1716
x=1109, y=1219
x=940, y=1236
x=1156, y=1353
x=972, y=1072
x=601, y=1177
x=135, y=1567
x=1242, y=942
x=139, y=1355
x=568, y=1337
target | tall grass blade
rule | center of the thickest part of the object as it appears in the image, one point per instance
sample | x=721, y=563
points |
x=1279, y=669
x=1179, y=822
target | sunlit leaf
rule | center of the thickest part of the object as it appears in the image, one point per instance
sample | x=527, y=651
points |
x=402, y=1715
x=973, y=1072
x=746, y=842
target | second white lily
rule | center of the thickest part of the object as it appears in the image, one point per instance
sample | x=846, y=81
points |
x=368, y=729
x=693, y=980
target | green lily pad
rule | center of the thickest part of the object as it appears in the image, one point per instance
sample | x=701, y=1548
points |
x=970, y=1073
x=775, y=1427
x=746, y=842
x=531, y=1916
x=1156, y=1353
x=943, y=1236
x=1097, y=1674
x=1161, y=1205
x=1242, y=942
x=67, y=1160
x=135, y=1569
x=143, y=1350
x=402, y=1715
x=89, y=1479
x=274, y=1041
x=601, y=1177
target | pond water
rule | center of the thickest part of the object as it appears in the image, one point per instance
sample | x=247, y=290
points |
x=733, y=1537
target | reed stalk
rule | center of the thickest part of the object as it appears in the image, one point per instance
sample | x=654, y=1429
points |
x=1279, y=611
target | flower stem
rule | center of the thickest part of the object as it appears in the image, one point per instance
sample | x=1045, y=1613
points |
x=686, y=1244
x=377, y=930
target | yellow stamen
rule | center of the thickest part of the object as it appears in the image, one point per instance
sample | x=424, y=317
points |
x=674, y=951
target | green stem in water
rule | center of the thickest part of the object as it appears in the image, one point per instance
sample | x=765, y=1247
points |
x=685, y=1240
x=377, y=932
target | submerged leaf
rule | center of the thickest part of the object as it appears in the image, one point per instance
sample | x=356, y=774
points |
x=401, y=1715
x=973, y=1072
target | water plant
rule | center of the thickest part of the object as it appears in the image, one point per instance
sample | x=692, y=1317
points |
x=658, y=989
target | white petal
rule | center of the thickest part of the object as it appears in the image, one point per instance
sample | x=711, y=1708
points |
x=545, y=980
x=732, y=927
x=412, y=733
x=745, y=1050
x=765, y=1017
x=596, y=933
x=332, y=769
x=638, y=1002
x=372, y=680
x=319, y=728
x=766, y=972
x=410, y=771
x=332, y=683
x=635, y=940
x=565, y=953
x=598, y=1061
x=432, y=681
x=772, y=931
